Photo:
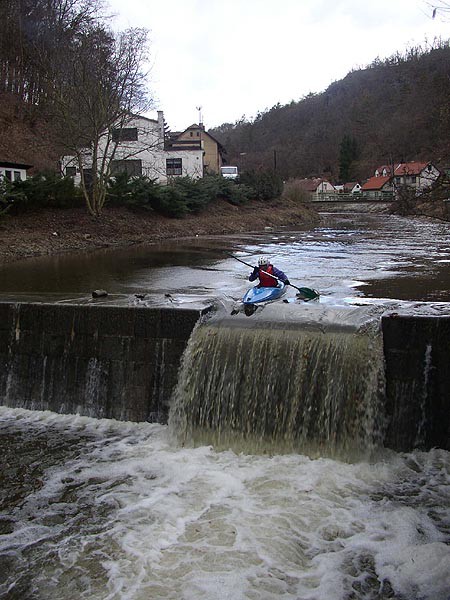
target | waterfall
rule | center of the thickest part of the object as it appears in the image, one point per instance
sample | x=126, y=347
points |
x=281, y=389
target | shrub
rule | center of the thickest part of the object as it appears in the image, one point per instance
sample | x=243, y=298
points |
x=182, y=195
x=48, y=189
x=266, y=184
x=132, y=191
x=9, y=196
x=295, y=192
x=43, y=190
x=170, y=201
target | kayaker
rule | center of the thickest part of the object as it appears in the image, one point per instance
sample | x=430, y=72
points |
x=264, y=272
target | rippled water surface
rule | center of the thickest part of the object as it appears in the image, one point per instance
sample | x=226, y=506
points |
x=95, y=509
x=100, y=509
x=349, y=256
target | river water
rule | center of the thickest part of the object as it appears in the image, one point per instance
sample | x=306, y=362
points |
x=349, y=256
x=98, y=509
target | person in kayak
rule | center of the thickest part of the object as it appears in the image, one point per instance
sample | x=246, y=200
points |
x=264, y=271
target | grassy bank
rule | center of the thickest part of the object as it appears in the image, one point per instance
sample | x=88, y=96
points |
x=54, y=231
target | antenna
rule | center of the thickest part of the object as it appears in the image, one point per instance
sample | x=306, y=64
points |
x=199, y=108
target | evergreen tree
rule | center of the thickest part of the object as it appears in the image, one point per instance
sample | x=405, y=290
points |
x=348, y=152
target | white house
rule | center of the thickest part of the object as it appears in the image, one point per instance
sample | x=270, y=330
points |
x=139, y=149
x=13, y=171
x=415, y=175
x=318, y=188
x=352, y=187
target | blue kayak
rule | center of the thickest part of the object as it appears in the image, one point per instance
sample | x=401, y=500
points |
x=257, y=294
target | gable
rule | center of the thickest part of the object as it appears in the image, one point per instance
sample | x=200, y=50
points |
x=375, y=183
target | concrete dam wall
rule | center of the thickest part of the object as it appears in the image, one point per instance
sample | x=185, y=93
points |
x=123, y=363
x=417, y=359
x=98, y=361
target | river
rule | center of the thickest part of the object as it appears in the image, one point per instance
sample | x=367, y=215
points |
x=97, y=509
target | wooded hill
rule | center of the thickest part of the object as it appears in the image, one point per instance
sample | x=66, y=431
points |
x=395, y=110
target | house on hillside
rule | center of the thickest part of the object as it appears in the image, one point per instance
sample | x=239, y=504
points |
x=416, y=175
x=140, y=148
x=352, y=187
x=12, y=171
x=378, y=187
x=212, y=149
x=317, y=187
x=383, y=171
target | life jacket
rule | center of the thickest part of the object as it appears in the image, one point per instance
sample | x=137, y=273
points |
x=265, y=280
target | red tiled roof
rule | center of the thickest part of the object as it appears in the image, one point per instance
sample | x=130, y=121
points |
x=375, y=183
x=310, y=185
x=350, y=185
x=387, y=167
x=410, y=168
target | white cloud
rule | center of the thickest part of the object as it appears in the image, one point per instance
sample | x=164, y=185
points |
x=242, y=56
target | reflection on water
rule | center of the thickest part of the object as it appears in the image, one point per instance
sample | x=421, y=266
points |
x=353, y=255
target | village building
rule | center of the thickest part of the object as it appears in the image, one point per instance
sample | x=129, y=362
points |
x=352, y=187
x=318, y=188
x=414, y=174
x=212, y=149
x=141, y=149
x=378, y=187
x=12, y=171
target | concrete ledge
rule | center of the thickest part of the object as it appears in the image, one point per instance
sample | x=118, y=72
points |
x=123, y=362
x=102, y=361
x=417, y=357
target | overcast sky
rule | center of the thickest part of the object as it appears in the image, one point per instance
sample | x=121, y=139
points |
x=238, y=57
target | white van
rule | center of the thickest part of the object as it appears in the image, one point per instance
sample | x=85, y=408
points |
x=229, y=172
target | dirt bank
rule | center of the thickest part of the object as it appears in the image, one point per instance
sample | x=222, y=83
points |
x=57, y=231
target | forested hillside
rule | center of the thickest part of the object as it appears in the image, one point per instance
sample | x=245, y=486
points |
x=394, y=110
x=397, y=109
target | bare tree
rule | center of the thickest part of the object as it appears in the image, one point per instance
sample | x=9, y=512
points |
x=32, y=35
x=100, y=87
x=440, y=10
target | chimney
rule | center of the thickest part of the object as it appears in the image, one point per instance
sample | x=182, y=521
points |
x=161, y=124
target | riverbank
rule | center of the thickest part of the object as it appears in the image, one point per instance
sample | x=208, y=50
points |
x=70, y=230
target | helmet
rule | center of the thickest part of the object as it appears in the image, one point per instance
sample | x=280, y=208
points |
x=263, y=260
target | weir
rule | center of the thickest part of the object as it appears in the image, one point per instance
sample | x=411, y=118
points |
x=348, y=384
x=98, y=361
x=282, y=388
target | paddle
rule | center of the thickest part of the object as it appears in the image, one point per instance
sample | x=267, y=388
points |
x=306, y=293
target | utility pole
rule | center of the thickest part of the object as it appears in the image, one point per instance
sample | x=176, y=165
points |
x=199, y=108
x=200, y=127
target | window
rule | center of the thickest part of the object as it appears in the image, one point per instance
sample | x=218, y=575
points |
x=17, y=176
x=8, y=175
x=133, y=167
x=87, y=176
x=174, y=166
x=71, y=171
x=127, y=134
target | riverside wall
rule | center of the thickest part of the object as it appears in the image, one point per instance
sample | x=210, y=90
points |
x=100, y=361
x=417, y=363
